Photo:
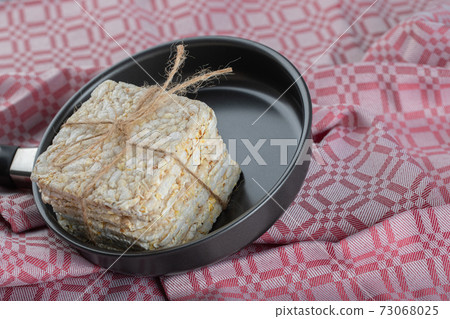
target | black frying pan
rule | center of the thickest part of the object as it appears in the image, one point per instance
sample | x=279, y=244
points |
x=260, y=76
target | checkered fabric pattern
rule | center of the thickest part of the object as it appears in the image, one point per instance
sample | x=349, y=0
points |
x=373, y=223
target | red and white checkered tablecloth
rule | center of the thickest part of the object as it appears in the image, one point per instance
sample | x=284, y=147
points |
x=372, y=224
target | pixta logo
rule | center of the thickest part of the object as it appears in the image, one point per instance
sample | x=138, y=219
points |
x=150, y=150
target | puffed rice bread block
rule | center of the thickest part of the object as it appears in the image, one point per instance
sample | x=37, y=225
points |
x=149, y=199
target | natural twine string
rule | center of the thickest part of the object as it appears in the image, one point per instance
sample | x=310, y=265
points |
x=146, y=105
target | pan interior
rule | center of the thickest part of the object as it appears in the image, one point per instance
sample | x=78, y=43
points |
x=238, y=100
x=237, y=107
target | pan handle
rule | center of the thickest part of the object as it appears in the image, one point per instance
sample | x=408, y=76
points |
x=16, y=164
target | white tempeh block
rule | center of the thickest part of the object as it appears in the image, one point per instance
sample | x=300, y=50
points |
x=147, y=198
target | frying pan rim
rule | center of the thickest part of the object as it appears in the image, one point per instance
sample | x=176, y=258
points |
x=68, y=107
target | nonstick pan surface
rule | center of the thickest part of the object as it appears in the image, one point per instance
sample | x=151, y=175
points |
x=260, y=76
